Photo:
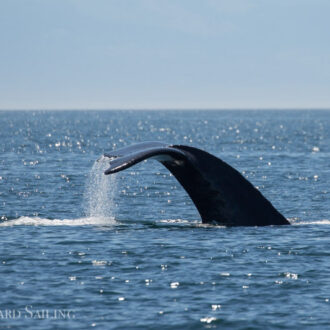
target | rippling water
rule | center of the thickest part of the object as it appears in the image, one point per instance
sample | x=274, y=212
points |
x=80, y=249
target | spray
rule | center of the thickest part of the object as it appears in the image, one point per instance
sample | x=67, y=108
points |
x=100, y=192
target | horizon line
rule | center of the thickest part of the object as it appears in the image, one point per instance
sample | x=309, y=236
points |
x=172, y=109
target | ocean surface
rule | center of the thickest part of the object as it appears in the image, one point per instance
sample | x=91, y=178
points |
x=83, y=250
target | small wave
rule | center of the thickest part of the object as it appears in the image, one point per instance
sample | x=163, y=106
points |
x=88, y=221
x=312, y=222
x=198, y=223
x=109, y=221
x=174, y=221
x=193, y=223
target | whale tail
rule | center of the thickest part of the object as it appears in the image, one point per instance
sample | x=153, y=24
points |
x=220, y=193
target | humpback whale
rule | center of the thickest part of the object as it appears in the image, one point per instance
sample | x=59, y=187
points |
x=220, y=193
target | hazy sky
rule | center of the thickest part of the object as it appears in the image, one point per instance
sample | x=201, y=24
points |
x=164, y=54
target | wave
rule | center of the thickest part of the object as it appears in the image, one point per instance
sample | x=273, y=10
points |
x=87, y=221
x=311, y=222
x=110, y=221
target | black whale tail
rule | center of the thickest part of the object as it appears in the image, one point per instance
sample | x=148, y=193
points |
x=221, y=194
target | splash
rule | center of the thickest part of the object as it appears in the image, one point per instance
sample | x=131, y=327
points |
x=31, y=221
x=100, y=192
x=99, y=203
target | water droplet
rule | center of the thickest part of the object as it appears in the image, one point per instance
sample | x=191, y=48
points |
x=100, y=191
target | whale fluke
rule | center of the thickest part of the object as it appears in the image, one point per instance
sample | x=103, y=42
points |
x=220, y=193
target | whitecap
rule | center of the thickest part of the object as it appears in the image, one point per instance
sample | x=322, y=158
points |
x=35, y=221
x=312, y=222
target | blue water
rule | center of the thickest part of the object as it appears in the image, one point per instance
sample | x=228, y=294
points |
x=83, y=250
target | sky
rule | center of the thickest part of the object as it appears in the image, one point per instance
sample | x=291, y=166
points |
x=164, y=54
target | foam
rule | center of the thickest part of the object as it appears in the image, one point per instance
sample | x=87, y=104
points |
x=312, y=222
x=35, y=221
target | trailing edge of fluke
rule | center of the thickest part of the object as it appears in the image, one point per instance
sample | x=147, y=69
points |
x=220, y=193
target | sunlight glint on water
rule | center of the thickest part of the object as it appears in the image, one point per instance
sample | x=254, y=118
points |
x=157, y=264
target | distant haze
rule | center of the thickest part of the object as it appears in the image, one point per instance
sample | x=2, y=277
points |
x=106, y=54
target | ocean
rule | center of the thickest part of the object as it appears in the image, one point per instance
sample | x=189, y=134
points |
x=128, y=251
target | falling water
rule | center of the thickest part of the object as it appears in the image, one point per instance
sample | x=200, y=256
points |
x=100, y=191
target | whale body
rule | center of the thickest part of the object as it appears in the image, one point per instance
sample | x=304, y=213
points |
x=220, y=193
